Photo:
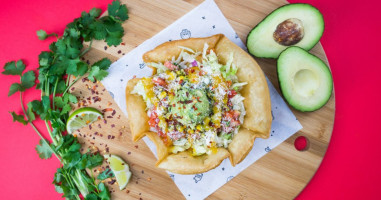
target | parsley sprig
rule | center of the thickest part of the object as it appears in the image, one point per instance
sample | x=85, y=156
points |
x=56, y=67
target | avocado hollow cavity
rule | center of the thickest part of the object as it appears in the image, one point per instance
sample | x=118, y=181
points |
x=289, y=32
x=306, y=82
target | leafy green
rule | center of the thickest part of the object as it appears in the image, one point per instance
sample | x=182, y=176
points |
x=97, y=74
x=103, y=64
x=42, y=35
x=19, y=118
x=105, y=174
x=43, y=149
x=118, y=11
x=12, y=68
x=104, y=194
x=15, y=87
x=29, y=113
x=56, y=69
x=28, y=79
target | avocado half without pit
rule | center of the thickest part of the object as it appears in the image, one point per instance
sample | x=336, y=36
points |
x=297, y=24
x=304, y=79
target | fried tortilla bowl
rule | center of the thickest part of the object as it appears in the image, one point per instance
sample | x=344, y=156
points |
x=257, y=121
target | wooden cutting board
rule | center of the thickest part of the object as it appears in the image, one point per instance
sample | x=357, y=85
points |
x=280, y=174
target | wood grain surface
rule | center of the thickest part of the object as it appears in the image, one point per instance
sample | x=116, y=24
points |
x=280, y=174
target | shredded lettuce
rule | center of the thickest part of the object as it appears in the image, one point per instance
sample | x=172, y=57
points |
x=237, y=102
x=206, y=46
x=186, y=48
x=237, y=85
x=160, y=67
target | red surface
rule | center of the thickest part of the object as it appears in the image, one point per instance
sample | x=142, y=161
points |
x=351, y=167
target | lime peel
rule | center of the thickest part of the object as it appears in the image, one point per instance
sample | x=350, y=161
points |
x=82, y=117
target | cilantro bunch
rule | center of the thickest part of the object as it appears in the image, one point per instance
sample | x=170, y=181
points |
x=56, y=66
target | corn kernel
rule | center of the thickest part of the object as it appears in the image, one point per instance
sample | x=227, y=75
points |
x=172, y=76
x=181, y=129
x=199, y=127
x=206, y=120
x=162, y=95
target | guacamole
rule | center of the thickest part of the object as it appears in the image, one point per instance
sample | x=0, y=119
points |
x=191, y=106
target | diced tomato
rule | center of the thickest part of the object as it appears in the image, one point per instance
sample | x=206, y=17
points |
x=159, y=81
x=228, y=116
x=235, y=113
x=234, y=123
x=231, y=93
x=229, y=83
x=232, y=115
x=169, y=65
x=153, y=121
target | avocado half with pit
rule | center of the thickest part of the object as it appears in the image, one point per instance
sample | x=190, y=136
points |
x=305, y=80
x=297, y=24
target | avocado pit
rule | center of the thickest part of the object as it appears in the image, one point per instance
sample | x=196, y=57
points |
x=289, y=32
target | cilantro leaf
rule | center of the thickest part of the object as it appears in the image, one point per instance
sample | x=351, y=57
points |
x=61, y=87
x=19, y=118
x=58, y=101
x=105, y=174
x=118, y=11
x=43, y=149
x=91, y=196
x=94, y=160
x=28, y=79
x=95, y=12
x=45, y=59
x=58, y=188
x=65, y=109
x=97, y=74
x=104, y=193
x=15, y=87
x=41, y=107
x=103, y=64
x=78, y=69
x=72, y=98
x=12, y=68
x=42, y=35
x=30, y=113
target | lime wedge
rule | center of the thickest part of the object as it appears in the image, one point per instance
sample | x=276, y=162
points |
x=120, y=169
x=81, y=118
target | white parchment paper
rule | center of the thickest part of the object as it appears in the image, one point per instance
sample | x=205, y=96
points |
x=205, y=20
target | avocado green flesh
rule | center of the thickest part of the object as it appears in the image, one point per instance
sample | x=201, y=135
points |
x=305, y=80
x=192, y=106
x=260, y=41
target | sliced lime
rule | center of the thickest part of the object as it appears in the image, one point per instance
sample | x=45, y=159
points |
x=120, y=169
x=81, y=118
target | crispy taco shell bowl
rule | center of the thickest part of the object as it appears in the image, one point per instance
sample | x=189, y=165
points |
x=257, y=121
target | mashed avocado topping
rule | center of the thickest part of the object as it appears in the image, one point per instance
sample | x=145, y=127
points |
x=193, y=101
x=191, y=106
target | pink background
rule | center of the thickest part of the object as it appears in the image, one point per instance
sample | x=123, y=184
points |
x=351, y=168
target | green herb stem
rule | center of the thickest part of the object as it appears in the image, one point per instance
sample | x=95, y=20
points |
x=54, y=92
x=71, y=84
x=35, y=128
x=87, y=49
